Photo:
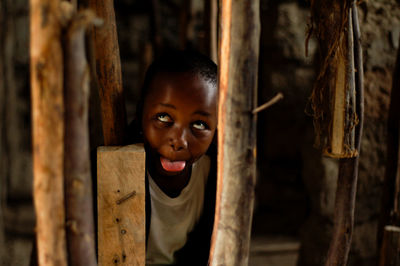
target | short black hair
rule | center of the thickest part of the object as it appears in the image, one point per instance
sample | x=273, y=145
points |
x=181, y=61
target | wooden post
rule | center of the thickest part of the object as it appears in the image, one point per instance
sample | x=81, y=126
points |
x=108, y=69
x=240, y=33
x=78, y=183
x=3, y=186
x=390, y=208
x=185, y=16
x=348, y=167
x=121, y=205
x=390, y=251
x=48, y=130
x=210, y=28
x=155, y=25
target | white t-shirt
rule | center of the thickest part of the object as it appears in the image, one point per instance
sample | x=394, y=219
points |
x=173, y=218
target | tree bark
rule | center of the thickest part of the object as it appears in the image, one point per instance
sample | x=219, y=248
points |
x=78, y=183
x=348, y=167
x=240, y=33
x=390, y=212
x=48, y=130
x=108, y=69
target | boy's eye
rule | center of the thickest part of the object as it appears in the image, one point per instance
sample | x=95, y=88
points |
x=200, y=125
x=164, y=118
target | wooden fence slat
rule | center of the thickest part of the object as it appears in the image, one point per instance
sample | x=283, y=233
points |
x=240, y=33
x=108, y=69
x=121, y=205
x=348, y=167
x=48, y=130
x=390, y=205
x=78, y=179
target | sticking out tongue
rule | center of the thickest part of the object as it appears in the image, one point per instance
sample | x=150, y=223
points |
x=170, y=166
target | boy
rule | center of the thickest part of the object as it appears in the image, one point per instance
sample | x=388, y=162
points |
x=178, y=119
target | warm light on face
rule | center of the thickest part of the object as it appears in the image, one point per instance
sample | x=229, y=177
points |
x=179, y=121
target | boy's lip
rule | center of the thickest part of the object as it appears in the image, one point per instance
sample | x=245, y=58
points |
x=172, y=166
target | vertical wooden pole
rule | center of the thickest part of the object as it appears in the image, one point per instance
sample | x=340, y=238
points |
x=78, y=183
x=3, y=187
x=155, y=22
x=348, y=167
x=108, y=69
x=185, y=16
x=210, y=28
x=48, y=130
x=390, y=209
x=240, y=33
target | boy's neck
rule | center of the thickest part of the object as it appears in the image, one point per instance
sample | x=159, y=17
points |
x=172, y=186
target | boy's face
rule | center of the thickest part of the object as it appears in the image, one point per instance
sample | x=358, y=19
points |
x=179, y=121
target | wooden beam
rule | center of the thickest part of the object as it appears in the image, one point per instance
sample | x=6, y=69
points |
x=108, y=69
x=78, y=182
x=121, y=205
x=48, y=130
x=240, y=35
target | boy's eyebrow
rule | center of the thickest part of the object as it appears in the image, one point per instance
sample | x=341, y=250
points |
x=167, y=105
x=198, y=112
x=203, y=113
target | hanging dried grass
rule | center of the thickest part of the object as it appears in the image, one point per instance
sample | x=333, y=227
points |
x=333, y=98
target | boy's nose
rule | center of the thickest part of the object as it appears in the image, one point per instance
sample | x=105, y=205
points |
x=178, y=139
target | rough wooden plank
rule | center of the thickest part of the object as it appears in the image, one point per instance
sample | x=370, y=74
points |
x=108, y=69
x=48, y=130
x=240, y=33
x=121, y=205
x=390, y=252
x=78, y=179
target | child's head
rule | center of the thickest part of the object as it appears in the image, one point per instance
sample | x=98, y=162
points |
x=178, y=111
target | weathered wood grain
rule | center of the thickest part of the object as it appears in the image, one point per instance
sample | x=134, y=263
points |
x=121, y=205
x=46, y=60
x=240, y=33
x=78, y=182
x=108, y=70
x=340, y=244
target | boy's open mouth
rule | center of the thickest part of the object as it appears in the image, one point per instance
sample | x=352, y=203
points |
x=172, y=166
